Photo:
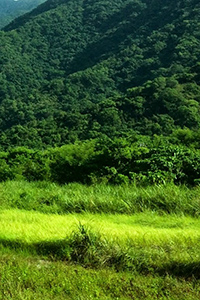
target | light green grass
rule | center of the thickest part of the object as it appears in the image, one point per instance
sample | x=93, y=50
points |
x=148, y=240
x=35, y=226
x=147, y=249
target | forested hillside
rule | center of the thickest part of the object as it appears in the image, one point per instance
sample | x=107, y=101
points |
x=10, y=9
x=74, y=69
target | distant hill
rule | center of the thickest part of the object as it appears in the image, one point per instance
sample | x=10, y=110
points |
x=10, y=9
x=74, y=69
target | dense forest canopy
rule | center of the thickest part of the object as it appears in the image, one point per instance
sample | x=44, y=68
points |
x=75, y=70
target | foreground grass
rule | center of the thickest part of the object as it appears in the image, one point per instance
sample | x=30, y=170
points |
x=77, y=198
x=99, y=242
x=146, y=243
x=34, y=278
x=76, y=256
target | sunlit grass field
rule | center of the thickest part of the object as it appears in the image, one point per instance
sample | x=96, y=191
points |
x=31, y=226
x=52, y=248
x=158, y=239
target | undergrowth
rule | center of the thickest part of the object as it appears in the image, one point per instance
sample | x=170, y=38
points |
x=77, y=198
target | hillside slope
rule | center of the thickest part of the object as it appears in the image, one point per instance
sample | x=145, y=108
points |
x=65, y=68
x=10, y=9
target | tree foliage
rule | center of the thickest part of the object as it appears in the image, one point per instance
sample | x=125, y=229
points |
x=107, y=71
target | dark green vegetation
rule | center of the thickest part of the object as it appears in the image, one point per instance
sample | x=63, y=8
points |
x=10, y=9
x=139, y=160
x=73, y=70
x=122, y=74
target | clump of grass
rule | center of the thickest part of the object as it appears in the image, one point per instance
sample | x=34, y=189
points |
x=77, y=198
x=94, y=250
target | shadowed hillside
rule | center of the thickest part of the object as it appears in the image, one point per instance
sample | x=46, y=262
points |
x=66, y=66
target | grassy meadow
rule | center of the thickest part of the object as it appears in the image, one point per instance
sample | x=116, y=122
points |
x=99, y=241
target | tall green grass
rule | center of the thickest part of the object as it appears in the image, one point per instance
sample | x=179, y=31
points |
x=76, y=198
